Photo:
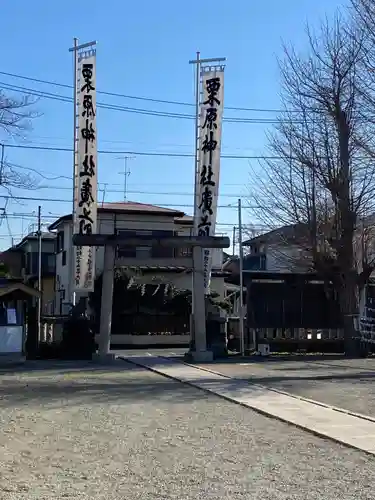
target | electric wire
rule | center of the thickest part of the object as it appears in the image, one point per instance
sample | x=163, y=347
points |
x=131, y=191
x=62, y=200
x=140, y=98
x=54, y=217
x=141, y=111
x=140, y=153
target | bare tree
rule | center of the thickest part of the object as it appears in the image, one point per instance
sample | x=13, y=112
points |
x=249, y=232
x=364, y=14
x=319, y=175
x=16, y=116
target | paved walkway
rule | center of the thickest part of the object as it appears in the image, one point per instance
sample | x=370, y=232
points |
x=344, y=383
x=356, y=431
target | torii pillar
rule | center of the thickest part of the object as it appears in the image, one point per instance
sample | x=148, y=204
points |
x=200, y=352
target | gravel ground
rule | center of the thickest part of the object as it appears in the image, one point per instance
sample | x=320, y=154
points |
x=125, y=433
x=348, y=384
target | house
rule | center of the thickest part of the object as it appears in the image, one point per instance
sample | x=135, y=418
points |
x=277, y=251
x=18, y=332
x=22, y=261
x=287, y=304
x=159, y=269
x=280, y=250
x=307, y=305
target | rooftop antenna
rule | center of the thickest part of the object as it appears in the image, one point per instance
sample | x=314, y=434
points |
x=104, y=190
x=126, y=172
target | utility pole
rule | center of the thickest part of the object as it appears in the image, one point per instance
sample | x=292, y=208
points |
x=234, y=241
x=242, y=329
x=126, y=172
x=39, y=274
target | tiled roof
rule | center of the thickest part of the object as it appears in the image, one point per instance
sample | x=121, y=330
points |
x=185, y=219
x=291, y=234
x=8, y=286
x=131, y=207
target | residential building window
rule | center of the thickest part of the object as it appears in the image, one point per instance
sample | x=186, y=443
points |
x=50, y=263
x=28, y=266
x=32, y=263
x=145, y=252
x=159, y=252
x=24, y=261
x=126, y=251
x=63, y=258
x=60, y=242
x=183, y=252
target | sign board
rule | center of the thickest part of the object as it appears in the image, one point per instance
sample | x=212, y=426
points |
x=85, y=187
x=207, y=189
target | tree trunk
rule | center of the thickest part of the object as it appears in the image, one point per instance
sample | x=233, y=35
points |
x=349, y=310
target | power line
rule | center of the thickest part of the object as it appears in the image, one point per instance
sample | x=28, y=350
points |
x=156, y=153
x=50, y=176
x=59, y=200
x=52, y=217
x=142, y=111
x=58, y=97
x=142, y=153
x=3, y=237
x=130, y=191
x=223, y=227
x=123, y=142
x=139, y=98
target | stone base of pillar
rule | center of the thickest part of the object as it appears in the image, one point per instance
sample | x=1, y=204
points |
x=104, y=358
x=199, y=356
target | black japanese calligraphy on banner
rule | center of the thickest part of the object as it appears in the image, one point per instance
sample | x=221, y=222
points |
x=85, y=203
x=211, y=112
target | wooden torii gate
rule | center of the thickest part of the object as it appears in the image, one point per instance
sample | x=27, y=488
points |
x=197, y=243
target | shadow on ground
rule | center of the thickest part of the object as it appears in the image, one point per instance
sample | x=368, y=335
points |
x=86, y=383
x=59, y=383
x=277, y=381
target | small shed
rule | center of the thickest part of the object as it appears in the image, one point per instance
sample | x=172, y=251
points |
x=14, y=298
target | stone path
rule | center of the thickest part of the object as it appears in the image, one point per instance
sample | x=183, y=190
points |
x=356, y=431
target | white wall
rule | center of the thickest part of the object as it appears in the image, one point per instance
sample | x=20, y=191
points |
x=48, y=246
x=62, y=280
x=283, y=259
x=217, y=258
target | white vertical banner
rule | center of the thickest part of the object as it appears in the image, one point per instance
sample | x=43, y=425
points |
x=85, y=189
x=207, y=189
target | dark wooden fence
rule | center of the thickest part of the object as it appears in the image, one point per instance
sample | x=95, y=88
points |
x=150, y=324
x=294, y=314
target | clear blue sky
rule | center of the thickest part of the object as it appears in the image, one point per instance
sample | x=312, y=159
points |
x=143, y=50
